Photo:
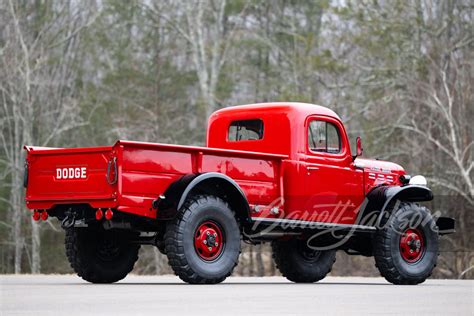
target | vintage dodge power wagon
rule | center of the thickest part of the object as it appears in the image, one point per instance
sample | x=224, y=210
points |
x=274, y=172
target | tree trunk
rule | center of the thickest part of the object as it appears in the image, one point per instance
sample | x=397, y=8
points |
x=259, y=261
x=35, y=247
x=251, y=262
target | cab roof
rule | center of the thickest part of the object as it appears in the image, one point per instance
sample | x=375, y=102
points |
x=283, y=126
x=295, y=108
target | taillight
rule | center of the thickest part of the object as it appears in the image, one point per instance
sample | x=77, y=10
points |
x=44, y=215
x=36, y=216
x=99, y=214
x=109, y=214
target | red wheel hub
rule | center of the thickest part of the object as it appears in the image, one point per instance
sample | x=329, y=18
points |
x=208, y=241
x=412, y=245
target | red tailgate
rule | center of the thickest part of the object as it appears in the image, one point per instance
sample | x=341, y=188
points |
x=76, y=175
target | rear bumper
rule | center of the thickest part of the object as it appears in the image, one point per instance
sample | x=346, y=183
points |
x=46, y=204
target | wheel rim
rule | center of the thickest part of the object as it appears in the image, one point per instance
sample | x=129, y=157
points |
x=208, y=241
x=412, y=245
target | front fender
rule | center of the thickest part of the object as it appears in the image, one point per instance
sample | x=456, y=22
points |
x=410, y=193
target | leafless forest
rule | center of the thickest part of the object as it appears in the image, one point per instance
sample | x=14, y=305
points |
x=84, y=73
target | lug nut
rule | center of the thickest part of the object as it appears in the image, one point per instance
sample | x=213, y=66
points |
x=215, y=244
x=205, y=242
x=208, y=233
x=210, y=248
x=215, y=234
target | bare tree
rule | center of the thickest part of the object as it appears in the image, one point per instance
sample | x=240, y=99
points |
x=208, y=31
x=37, y=96
x=438, y=122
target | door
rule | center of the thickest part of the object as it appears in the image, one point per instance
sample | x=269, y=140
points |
x=334, y=186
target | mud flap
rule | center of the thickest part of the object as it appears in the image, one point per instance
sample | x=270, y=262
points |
x=445, y=225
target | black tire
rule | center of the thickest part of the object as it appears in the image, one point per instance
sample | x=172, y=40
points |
x=183, y=256
x=160, y=244
x=390, y=257
x=299, y=263
x=101, y=256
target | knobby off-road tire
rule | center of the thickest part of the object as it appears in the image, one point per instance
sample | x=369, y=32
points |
x=101, y=256
x=203, y=221
x=299, y=263
x=406, y=253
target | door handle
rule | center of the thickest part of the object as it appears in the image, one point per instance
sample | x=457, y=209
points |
x=312, y=168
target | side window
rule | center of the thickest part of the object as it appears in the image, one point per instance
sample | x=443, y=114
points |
x=324, y=137
x=317, y=136
x=245, y=130
x=333, y=139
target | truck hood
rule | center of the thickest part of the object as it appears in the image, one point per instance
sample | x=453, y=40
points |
x=378, y=172
x=379, y=166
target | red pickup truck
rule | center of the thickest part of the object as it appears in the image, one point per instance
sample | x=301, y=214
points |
x=277, y=172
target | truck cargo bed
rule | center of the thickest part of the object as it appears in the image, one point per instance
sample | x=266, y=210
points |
x=130, y=175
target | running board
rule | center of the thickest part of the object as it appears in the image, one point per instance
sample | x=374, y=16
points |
x=295, y=223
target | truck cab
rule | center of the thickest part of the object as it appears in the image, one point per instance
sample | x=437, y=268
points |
x=322, y=180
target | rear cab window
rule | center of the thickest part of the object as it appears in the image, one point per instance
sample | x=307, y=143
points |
x=245, y=130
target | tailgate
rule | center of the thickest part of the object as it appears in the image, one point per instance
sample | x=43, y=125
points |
x=77, y=175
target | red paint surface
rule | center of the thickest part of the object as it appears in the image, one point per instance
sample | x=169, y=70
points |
x=278, y=168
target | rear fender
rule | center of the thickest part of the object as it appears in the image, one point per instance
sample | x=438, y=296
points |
x=212, y=183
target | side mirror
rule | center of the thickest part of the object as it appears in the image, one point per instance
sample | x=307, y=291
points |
x=359, y=146
x=359, y=149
